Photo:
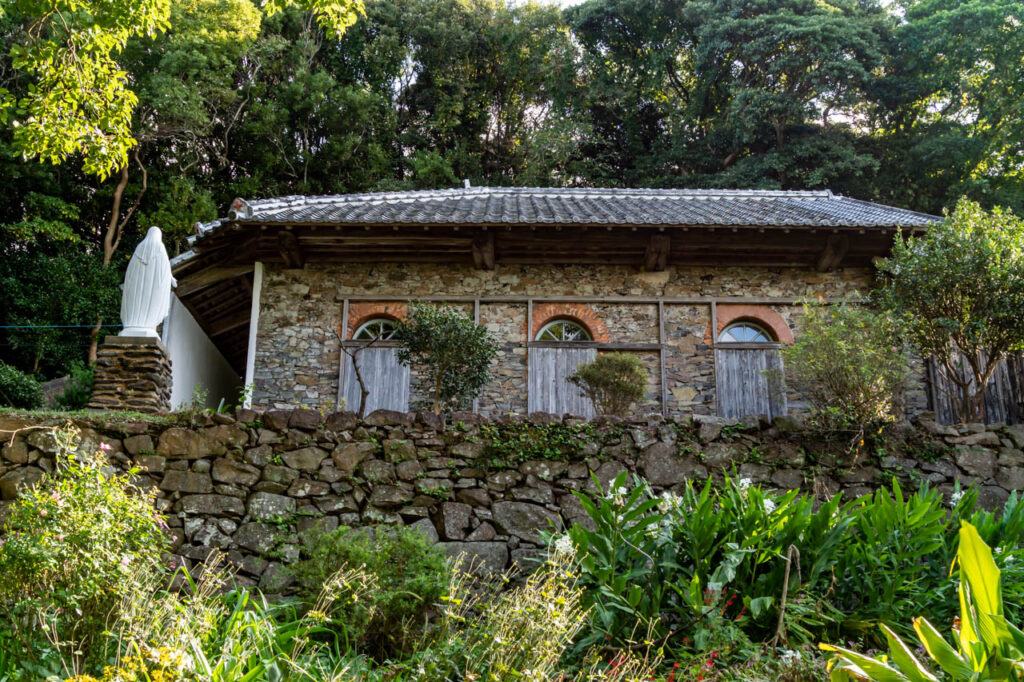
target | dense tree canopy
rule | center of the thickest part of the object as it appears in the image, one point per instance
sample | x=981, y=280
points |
x=913, y=103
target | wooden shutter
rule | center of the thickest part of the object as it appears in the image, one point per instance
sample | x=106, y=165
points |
x=1004, y=395
x=748, y=381
x=550, y=389
x=385, y=376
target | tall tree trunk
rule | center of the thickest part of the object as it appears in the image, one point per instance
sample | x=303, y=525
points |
x=112, y=237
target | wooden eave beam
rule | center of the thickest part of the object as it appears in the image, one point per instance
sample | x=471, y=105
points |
x=835, y=250
x=483, y=250
x=288, y=244
x=656, y=255
x=207, y=277
x=229, y=323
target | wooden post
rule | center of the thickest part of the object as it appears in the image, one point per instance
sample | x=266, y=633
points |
x=529, y=337
x=661, y=357
x=714, y=340
x=342, y=335
x=476, y=320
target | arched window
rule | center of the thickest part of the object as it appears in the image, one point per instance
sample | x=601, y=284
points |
x=382, y=328
x=745, y=332
x=563, y=330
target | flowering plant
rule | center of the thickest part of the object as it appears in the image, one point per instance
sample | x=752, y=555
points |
x=71, y=546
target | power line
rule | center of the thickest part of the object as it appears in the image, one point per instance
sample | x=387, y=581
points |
x=56, y=326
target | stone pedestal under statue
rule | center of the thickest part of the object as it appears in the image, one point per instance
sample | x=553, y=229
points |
x=133, y=369
x=132, y=373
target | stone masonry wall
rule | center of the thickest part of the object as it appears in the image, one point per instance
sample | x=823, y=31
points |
x=298, y=361
x=250, y=484
x=132, y=373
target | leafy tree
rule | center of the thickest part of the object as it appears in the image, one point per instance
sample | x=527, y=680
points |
x=18, y=389
x=960, y=289
x=848, y=364
x=80, y=102
x=612, y=382
x=945, y=111
x=454, y=351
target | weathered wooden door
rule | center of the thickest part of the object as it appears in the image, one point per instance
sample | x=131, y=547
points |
x=386, y=378
x=1004, y=395
x=550, y=389
x=749, y=380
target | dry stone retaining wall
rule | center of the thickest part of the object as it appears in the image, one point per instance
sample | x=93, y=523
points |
x=249, y=484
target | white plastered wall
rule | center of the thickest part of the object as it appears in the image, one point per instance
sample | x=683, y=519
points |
x=196, y=362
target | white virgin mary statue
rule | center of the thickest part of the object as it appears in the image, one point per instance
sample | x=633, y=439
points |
x=146, y=298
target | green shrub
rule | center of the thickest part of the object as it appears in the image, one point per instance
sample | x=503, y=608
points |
x=895, y=563
x=76, y=394
x=988, y=645
x=406, y=576
x=69, y=550
x=704, y=569
x=208, y=632
x=612, y=382
x=455, y=352
x=509, y=444
x=712, y=568
x=18, y=389
x=959, y=288
x=523, y=633
x=849, y=365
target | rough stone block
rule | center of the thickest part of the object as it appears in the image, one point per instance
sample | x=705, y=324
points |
x=347, y=456
x=234, y=472
x=307, y=420
x=482, y=558
x=976, y=461
x=453, y=520
x=265, y=506
x=525, y=520
x=179, y=443
x=340, y=421
x=305, y=459
x=389, y=496
x=136, y=445
x=211, y=505
x=186, y=482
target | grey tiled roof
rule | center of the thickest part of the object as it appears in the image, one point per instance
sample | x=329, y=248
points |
x=553, y=206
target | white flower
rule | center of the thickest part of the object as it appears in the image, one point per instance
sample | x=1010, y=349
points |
x=617, y=496
x=564, y=546
x=745, y=483
x=955, y=498
x=790, y=656
x=769, y=505
x=669, y=501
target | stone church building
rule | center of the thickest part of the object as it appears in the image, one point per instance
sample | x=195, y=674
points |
x=703, y=285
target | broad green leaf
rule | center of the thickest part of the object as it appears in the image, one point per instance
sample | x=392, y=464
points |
x=876, y=670
x=905, y=659
x=940, y=651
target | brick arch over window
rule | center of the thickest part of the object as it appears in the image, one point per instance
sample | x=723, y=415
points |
x=577, y=312
x=730, y=313
x=361, y=313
